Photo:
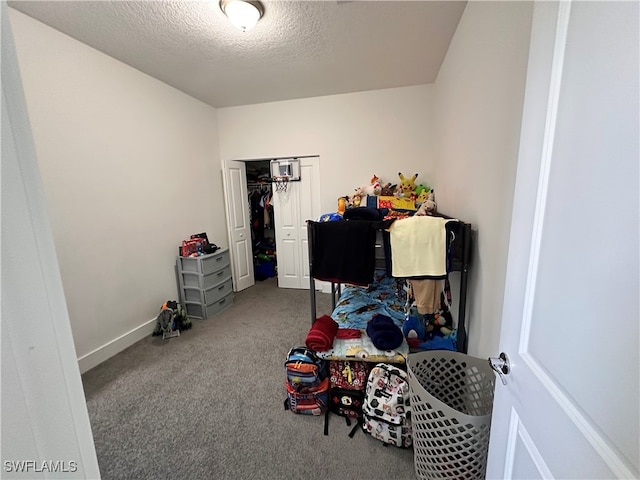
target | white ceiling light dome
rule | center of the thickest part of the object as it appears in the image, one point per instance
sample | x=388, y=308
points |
x=242, y=14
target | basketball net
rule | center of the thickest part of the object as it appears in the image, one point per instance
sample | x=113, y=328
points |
x=281, y=183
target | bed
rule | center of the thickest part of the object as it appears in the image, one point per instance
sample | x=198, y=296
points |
x=356, y=306
x=355, y=257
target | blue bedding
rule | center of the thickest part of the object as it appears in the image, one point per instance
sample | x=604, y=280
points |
x=357, y=305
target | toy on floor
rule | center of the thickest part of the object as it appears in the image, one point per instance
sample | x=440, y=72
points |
x=171, y=320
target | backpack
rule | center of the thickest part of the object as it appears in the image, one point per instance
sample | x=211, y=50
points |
x=348, y=375
x=348, y=380
x=307, y=382
x=387, y=406
x=312, y=401
x=171, y=320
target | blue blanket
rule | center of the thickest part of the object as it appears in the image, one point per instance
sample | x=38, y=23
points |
x=357, y=305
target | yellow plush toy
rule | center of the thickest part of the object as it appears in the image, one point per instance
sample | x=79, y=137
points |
x=407, y=185
x=424, y=195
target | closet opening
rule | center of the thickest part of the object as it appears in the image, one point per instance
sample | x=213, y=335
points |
x=262, y=219
x=266, y=222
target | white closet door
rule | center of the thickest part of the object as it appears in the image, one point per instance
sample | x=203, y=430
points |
x=292, y=209
x=288, y=241
x=309, y=210
x=238, y=224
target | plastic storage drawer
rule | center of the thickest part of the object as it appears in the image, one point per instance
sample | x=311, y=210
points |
x=199, y=310
x=206, y=263
x=203, y=282
x=209, y=295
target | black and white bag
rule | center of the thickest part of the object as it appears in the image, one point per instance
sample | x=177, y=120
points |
x=387, y=406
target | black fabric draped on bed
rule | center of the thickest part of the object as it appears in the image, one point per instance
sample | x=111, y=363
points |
x=344, y=251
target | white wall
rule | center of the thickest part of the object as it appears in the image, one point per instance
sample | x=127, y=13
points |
x=460, y=135
x=127, y=164
x=380, y=132
x=130, y=166
x=479, y=95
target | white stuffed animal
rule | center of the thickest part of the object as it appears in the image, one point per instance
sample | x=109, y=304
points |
x=429, y=206
x=374, y=189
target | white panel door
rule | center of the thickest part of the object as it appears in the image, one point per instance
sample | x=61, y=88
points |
x=286, y=213
x=292, y=209
x=570, y=317
x=309, y=210
x=238, y=224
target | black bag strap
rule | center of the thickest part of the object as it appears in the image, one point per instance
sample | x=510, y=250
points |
x=355, y=428
x=347, y=421
x=326, y=422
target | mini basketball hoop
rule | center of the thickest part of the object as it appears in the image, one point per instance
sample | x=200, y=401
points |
x=281, y=183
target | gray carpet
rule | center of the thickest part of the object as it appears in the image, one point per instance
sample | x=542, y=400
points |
x=209, y=404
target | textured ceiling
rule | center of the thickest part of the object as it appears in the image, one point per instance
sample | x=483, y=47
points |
x=298, y=49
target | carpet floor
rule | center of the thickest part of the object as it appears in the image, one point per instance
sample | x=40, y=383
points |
x=209, y=404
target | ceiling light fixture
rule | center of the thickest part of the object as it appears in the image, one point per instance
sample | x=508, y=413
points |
x=243, y=14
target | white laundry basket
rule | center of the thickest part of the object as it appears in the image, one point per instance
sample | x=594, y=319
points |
x=451, y=402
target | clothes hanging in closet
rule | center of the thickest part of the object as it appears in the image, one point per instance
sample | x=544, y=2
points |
x=261, y=212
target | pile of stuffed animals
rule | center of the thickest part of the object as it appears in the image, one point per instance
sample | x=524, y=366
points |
x=404, y=195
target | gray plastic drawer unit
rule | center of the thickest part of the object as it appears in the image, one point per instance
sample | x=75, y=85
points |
x=198, y=280
x=206, y=263
x=205, y=283
x=209, y=295
x=198, y=310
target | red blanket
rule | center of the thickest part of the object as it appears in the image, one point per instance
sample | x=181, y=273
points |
x=321, y=334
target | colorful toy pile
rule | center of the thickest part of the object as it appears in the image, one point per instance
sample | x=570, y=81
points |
x=405, y=195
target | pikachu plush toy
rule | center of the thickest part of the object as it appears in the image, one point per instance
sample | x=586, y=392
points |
x=407, y=186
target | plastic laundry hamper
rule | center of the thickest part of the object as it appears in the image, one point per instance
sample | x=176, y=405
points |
x=451, y=402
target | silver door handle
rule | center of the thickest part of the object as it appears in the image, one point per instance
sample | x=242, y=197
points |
x=501, y=366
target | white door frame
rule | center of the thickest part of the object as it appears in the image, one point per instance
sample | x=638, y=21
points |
x=234, y=211
x=44, y=412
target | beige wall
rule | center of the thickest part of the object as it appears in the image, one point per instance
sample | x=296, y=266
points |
x=126, y=164
x=356, y=135
x=479, y=95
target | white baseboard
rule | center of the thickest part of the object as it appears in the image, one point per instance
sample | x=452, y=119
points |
x=322, y=286
x=99, y=355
